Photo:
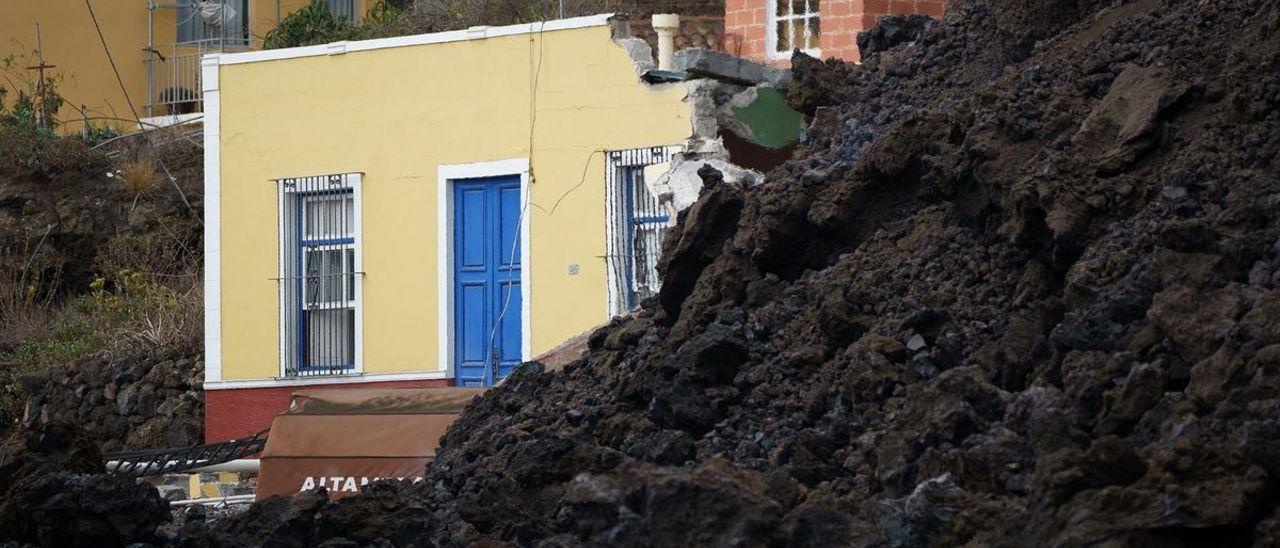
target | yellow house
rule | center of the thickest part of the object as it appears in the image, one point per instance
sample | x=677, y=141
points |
x=425, y=210
x=156, y=46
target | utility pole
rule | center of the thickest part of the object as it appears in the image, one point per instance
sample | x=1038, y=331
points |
x=40, y=68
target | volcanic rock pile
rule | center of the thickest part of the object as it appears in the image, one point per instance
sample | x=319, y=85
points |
x=1021, y=287
x=53, y=492
x=122, y=404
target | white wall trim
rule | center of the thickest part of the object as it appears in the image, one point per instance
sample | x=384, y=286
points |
x=356, y=181
x=155, y=122
x=445, y=176
x=325, y=380
x=282, y=289
x=473, y=33
x=613, y=300
x=212, y=220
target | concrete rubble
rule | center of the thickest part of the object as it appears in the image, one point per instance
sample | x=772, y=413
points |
x=741, y=126
x=724, y=67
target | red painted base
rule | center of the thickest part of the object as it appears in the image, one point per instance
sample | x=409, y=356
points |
x=242, y=412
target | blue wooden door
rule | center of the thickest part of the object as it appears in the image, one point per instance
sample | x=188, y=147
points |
x=486, y=270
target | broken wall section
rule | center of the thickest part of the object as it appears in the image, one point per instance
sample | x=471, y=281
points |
x=741, y=125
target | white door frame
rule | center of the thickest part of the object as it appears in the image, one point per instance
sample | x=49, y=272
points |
x=446, y=175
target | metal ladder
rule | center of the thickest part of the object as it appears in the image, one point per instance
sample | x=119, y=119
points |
x=151, y=462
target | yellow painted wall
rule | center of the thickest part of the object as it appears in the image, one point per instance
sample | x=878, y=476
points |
x=396, y=114
x=70, y=42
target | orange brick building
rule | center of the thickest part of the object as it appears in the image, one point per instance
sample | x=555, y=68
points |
x=768, y=30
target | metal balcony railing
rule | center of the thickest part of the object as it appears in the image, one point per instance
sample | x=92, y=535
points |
x=173, y=74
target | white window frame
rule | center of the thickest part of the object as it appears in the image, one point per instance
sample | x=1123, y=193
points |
x=771, y=29
x=355, y=182
x=312, y=198
x=347, y=282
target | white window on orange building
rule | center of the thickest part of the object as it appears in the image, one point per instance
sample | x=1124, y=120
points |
x=793, y=25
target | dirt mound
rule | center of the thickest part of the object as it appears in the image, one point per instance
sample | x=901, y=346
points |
x=1020, y=287
x=1017, y=289
x=99, y=261
x=53, y=493
x=61, y=210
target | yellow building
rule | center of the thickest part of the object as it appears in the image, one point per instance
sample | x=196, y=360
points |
x=156, y=46
x=422, y=210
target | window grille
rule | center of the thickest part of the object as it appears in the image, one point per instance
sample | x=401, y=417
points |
x=795, y=24
x=636, y=225
x=192, y=28
x=319, y=275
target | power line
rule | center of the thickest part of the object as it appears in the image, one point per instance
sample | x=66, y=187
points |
x=112, y=59
x=536, y=73
x=134, y=110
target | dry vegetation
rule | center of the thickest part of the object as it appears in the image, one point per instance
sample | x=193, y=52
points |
x=139, y=175
x=99, y=253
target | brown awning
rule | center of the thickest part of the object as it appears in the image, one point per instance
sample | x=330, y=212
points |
x=375, y=401
x=341, y=439
x=341, y=477
x=383, y=435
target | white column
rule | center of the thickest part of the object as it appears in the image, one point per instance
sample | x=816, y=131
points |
x=666, y=25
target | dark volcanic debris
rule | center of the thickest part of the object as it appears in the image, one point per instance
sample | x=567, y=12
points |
x=1020, y=287
x=1016, y=289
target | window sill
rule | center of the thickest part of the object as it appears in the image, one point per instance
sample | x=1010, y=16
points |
x=346, y=378
x=786, y=55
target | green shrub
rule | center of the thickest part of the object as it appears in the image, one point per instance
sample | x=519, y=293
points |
x=316, y=24
x=130, y=314
x=147, y=300
x=37, y=103
x=132, y=317
x=30, y=147
x=148, y=319
x=66, y=342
